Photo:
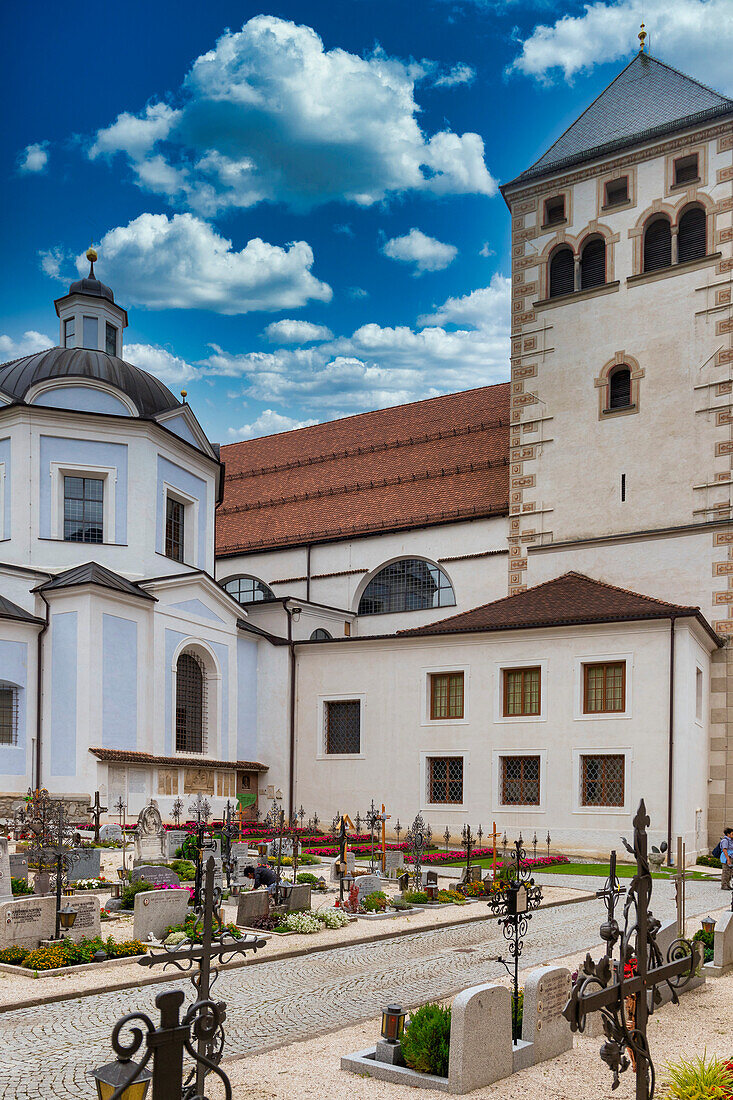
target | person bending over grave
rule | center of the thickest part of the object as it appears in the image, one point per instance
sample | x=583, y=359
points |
x=261, y=876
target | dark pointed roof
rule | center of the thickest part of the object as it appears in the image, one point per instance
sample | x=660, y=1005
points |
x=149, y=395
x=570, y=600
x=93, y=573
x=647, y=99
x=10, y=610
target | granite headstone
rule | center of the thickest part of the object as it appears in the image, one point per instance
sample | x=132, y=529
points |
x=155, y=874
x=85, y=863
x=252, y=905
x=6, y=889
x=19, y=866
x=149, y=835
x=546, y=992
x=157, y=910
x=478, y=1012
x=111, y=831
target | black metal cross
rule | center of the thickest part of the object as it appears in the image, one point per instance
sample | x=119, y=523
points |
x=467, y=841
x=611, y=894
x=177, y=810
x=372, y=821
x=229, y=831
x=418, y=838
x=96, y=812
x=625, y=990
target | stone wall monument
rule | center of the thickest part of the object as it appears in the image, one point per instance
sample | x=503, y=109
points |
x=150, y=835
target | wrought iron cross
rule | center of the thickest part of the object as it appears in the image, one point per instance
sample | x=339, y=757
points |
x=96, y=812
x=611, y=894
x=467, y=841
x=177, y=810
x=419, y=836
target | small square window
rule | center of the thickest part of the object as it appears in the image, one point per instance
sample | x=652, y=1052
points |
x=69, y=328
x=446, y=695
x=521, y=692
x=604, y=688
x=520, y=780
x=174, y=528
x=555, y=210
x=445, y=780
x=617, y=191
x=342, y=721
x=603, y=780
x=110, y=339
x=686, y=170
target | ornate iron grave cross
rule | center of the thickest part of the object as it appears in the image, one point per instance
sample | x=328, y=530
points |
x=418, y=838
x=611, y=894
x=95, y=813
x=48, y=829
x=372, y=821
x=201, y=811
x=176, y=811
x=625, y=990
x=513, y=904
x=468, y=840
x=229, y=831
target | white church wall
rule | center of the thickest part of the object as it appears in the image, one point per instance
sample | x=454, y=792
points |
x=691, y=739
x=18, y=665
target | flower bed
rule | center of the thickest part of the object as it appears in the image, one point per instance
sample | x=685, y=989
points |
x=487, y=853
x=68, y=953
x=90, y=883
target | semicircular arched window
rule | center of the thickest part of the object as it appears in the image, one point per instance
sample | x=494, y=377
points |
x=562, y=272
x=320, y=635
x=657, y=244
x=409, y=584
x=190, y=704
x=691, y=243
x=247, y=589
x=593, y=263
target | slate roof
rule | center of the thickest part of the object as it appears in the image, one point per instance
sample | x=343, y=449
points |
x=123, y=756
x=570, y=600
x=10, y=610
x=647, y=99
x=429, y=462
x=93, y=573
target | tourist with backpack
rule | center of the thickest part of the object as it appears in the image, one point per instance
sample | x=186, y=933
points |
x=724, y=852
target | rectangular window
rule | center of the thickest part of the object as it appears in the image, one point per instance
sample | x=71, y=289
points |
x=520, y=780
x=555, y=210
x=69, y=332
x=8, y=716
x=603, y=780
x=446, y=695
x=698, y=694
x=685, y=170
x=83, y=509
x=174, y=528
x=521, y=692
x=617, y=191
x=604, y=688
x=91, y=332
x=342, y=720
x=110, y=339
x=445, y=779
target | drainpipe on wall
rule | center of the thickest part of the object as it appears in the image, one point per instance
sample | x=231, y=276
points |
x=670, y=763
x=39, y=690
x=308, y=572
x=291, y=750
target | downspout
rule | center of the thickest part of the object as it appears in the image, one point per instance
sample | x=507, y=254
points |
x=308, y=572
x=39, y=690
x=291, y=751
x=670, y=765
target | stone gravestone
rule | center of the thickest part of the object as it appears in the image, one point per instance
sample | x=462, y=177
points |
x=6, y=889
x=158, y=876
x=112, y=831
x=156, y=911
x=722, y=946
x=483, y=1010
x=26, y=921
x=367, y=884
x=349, y=867
x=42, y=884
x=666, y=936
x=86, y=863
x=252, y=905
x=546, y=993
x=392, y=863
x=87, y=924
x=174, y=838
x=240, y=852
x=149, y=835
x=299, y=898
x=19, y=866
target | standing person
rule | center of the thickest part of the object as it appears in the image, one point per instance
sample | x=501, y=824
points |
x=726, y=858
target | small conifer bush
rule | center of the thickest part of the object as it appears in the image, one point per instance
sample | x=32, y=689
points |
x=426, y=1040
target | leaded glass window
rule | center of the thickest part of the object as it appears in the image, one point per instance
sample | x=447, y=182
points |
x=174, y=528
x=410, y=584
x=602, y=780
x=520, y=780
x=190, y=704
x=110, y=339
x=521, y=692
x=248, y=589
x=445, y=779
x=8, y=715
x=604, y=688
x=446, y=695
x=83, y=509
x=342, y=722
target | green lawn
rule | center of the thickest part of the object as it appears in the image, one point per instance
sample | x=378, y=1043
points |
x=595, y=870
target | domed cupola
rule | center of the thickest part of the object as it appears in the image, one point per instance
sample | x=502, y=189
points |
x=89, y=317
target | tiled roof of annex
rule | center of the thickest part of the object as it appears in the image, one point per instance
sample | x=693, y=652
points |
x=433, y=461
x=569, y=600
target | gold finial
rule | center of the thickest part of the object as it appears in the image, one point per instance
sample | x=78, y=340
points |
x=184, y=395
x=642, y=36
x=91, y=256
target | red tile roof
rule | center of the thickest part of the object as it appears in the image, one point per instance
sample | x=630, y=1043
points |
x=433, y=461
x=123, y=756
x=571, y=599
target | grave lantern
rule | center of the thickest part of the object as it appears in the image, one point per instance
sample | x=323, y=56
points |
x=432, y=891
x=393, y=1023
x=67, y=916
x=708, y=924
x=110, y=1077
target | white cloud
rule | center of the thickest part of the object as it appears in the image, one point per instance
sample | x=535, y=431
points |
x=486, y=250
x=30, y=342
x=34, y=158
x=482, y=307
x=182, y=263
x=296, y=332
x=424, y=252
x=169, y=368
x=269, y=115
x=693, y=35
x=357, y=292
x=461, y=73
x=268, y=422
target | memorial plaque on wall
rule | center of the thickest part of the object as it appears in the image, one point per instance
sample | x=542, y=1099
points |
x=198, y=780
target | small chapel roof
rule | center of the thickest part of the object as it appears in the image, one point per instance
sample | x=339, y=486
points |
x=434, y=461
x=10, y=610
x=129, y=756
x=92, y=572
x=646, y=100
x=572, y=599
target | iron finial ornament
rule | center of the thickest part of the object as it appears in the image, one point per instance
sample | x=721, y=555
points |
x=91, y=255
x=642, y=37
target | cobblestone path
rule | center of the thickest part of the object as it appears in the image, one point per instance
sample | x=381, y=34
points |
x=48, y=1050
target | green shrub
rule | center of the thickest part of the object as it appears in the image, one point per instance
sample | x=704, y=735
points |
x=14, y=955
x=707, y=861
x=19, y=886
x=375, y=902
x=426, y=1041
x=707, y=939
x=184, y=868
x=399, y=904
x=697, y=1079
x=520, y=1009
x=307, y=878
x=189, y=848
x=68, y=953
x=416, y=897
x=131, y=889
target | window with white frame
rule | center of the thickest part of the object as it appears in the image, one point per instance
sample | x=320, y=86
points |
x=519, y=780
x=602, y=779
x=604, y=687
x=8, y=714
x=444, y=780
x=342, y=727
x=446, y=695
x=69, y=329
x=191, y=704
x=521, y=692
x=175, y=529
x=83, y=509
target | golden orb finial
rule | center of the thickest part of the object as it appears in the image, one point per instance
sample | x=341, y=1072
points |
x=91, y=256
x=642, y=36
x=184, y=395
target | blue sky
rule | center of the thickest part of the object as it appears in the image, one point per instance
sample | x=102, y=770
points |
x=298, y=203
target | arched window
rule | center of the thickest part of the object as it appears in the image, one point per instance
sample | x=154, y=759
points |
x=593, y=263
x=657, y=244
x=562, y=272
x=691, y=244
x=320, y=635
x=619, y=388
x=247, y=589
x=406, y=585
x=190, y=704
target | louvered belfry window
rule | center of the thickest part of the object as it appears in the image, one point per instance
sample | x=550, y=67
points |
x=686, y=170
x=190, y=704
x=619, y=389
x=562, y=272
x=657, y=245
x=593, y=264
x=691, y=244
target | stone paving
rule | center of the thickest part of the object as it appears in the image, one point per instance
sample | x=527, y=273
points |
x=48, y=1051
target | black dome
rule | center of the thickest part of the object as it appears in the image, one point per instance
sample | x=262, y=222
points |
x=148, y=394
x=93, y=287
